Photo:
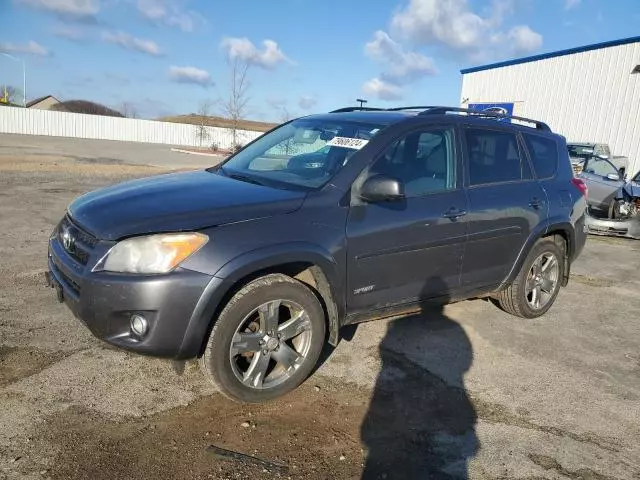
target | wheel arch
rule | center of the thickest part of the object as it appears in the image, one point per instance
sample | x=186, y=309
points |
x=561, y=228
x=307, y=263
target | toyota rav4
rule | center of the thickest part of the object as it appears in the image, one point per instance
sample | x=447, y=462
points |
x=327, y=220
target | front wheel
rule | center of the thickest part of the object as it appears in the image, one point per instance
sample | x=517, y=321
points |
x=536, y=286
x=266, y=340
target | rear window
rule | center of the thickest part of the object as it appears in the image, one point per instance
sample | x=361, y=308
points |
x=544, y=155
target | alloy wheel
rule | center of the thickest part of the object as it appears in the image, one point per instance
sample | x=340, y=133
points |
x=270, y=344
x=542, y=280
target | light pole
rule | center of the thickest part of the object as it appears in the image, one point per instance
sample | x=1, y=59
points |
x=24, y=76
x=362, y=101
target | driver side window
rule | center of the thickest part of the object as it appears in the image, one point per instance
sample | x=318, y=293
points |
x=423, y=161
x=599, y=166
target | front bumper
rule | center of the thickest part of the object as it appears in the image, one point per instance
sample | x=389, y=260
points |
x=104, y=302
x=618, y=228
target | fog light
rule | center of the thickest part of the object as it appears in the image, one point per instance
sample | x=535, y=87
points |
x=139, y=325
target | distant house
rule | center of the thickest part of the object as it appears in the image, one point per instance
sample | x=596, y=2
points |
x=43, y=103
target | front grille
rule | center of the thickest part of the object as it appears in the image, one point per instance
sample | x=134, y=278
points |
x=75, y=287
x=76, y=242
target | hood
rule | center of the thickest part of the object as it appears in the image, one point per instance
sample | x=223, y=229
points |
x=632, y=188
x=177, y=202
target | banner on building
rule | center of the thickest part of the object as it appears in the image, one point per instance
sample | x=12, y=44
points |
x=502, y=108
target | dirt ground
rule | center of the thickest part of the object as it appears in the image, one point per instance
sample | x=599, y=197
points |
x=462, y=392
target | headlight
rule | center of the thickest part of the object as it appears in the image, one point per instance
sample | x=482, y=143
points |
x=151, y=254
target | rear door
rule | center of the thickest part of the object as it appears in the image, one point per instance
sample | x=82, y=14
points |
x=602, y=189
x=505, y=204
x=546, y=152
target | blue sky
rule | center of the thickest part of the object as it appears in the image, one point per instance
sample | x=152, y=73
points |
x=168, y=56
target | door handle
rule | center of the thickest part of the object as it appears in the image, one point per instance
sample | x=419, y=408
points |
x=454, y=213
x=536, y=203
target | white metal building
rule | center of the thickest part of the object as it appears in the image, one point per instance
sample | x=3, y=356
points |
x=588, y=94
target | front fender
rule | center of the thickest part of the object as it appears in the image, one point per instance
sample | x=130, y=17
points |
x=251, y=262
x=279, y=254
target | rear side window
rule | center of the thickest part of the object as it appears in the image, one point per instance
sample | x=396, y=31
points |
x=544, y=155
x=494, y=156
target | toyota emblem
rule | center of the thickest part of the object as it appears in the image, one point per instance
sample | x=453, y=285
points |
x=67, y=239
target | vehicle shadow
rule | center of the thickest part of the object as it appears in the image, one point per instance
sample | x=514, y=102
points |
x=421, y=423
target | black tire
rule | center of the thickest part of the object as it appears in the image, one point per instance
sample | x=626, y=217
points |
x=216, y=362
x=513, y=299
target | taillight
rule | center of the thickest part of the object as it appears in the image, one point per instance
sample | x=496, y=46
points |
x=580, y=184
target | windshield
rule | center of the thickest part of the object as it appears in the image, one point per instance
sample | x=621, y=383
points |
x=305, y=153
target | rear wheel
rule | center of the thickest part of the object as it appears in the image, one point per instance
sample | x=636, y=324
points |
x=266, y=340
x=536, y=286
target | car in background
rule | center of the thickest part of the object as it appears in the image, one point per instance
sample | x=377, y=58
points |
x=580, y=151
x=614, y=203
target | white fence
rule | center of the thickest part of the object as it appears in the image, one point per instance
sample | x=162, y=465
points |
x=64, y=124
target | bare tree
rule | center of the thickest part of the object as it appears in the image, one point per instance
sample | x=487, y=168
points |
x=204, y=112
x=285, y=114
x=8, y=94
x=235, y=106
x=129, y=110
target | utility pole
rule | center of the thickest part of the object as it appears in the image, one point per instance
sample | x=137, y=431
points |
x=24, y=76
x=362, y=101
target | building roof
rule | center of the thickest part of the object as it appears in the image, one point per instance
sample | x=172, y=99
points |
x=559, y=53
x=40, y=99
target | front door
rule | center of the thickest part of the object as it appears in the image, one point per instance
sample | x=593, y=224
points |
x=603, y=181
x=505, y=204
x=409, y=250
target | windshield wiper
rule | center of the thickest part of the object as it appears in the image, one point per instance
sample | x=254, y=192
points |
x=243, y=178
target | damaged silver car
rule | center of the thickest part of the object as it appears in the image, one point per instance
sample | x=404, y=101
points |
x=614, y=203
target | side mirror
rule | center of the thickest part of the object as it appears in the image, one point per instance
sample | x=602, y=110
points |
x=613, y=176
x=623, y=174
x=381, y=188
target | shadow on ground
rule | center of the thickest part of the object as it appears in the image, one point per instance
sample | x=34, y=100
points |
x=419, y=424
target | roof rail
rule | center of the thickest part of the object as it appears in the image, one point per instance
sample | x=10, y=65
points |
x=357, y=109
x=444, y=110
x=412, y=107
x=439, y=110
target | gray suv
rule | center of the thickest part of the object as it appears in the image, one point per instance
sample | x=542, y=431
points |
x=327, y=220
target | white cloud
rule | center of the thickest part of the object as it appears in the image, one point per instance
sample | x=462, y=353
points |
x=80, y=10
x=168, y=12
x=378, y=88
x=307, y=102
x=29, y=48
x=190, y=75
x=454, y=25
x=524, y=39
x=117, y=79
x=245, y=50
x=569, y=4
x=132, y=43
x=400, y=66
x=277, y=102
x=69, y=33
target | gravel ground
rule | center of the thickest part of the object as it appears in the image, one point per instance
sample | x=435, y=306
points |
x=466, y=391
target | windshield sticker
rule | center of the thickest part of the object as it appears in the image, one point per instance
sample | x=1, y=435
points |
x=346, y=142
